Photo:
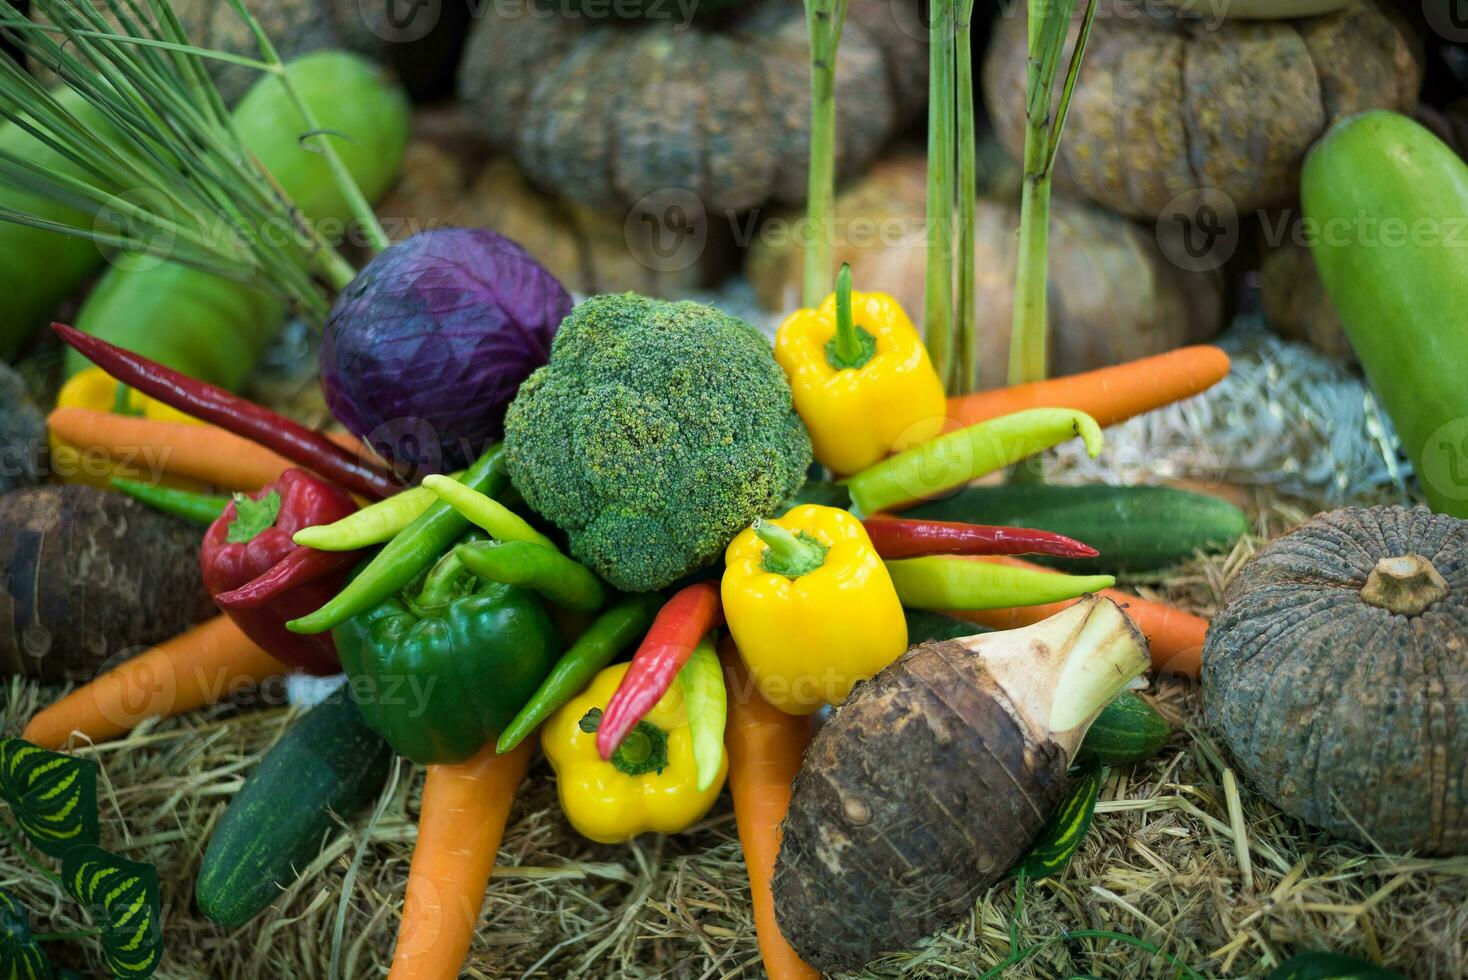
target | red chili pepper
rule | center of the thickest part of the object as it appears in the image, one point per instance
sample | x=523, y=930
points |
x=683, y=621
x=300, y=567
x=897, y=538
x=249, y=550
x=238, y=415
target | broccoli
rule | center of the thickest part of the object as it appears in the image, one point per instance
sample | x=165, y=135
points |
x=655, y=434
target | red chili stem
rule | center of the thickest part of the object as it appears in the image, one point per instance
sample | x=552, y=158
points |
x=238, y=415
x=683, y=621
x=898, y=538
x=300, y=567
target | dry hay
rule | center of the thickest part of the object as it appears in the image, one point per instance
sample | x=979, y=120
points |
x=1219, y=879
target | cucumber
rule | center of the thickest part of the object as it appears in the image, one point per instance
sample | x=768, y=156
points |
x=1127, y=730
x=38, y=269
x=1319, y=965
x=327, y=762
x=1136, y=529
x=1389, y=203
x=214, y=328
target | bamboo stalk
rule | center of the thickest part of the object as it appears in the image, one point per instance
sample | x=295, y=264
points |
x=825, y=21
x=938, y=292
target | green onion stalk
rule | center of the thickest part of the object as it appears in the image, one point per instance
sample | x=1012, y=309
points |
x=938, y=284
x=825, y=21
x=1050, y=22
x=132, y=63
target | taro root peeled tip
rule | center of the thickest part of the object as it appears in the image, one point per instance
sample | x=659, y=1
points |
x=426, y=348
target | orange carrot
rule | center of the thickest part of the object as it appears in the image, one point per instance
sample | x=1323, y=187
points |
x=203, y=666
x=185, y=450
x=1109, y=395
x=460, y=826
x=1176, y=637
x=765, y=747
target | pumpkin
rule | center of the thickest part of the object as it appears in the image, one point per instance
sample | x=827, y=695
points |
x=606, y=112
x=451, y=177
x=1337, y=673
x=1171, y=104
x=1295, y=303
x=1114, y=295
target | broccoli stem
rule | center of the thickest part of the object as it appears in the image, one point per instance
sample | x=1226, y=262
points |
x=852, y=347
x=787, y=554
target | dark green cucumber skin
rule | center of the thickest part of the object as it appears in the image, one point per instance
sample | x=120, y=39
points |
x=1127, y=730
x=1330, y=966
x=328, y=762
x=1136, y=529
x=925, y=626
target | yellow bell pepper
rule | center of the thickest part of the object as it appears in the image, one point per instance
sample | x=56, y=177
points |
x=651, y=781
x=96, y=390
x=811, y=607
x=861, y=376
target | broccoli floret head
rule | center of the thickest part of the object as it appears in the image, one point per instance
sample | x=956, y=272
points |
x=655, y=434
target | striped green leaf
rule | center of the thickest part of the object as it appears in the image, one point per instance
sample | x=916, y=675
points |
x=54, y=796
x=21, y=958
x=1058, y=842
x=121, y=897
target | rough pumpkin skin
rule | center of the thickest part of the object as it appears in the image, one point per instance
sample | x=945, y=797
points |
x=948, y=744
x=1344, y=714
x=87, y=575
x=607, y=112
x=1170, y=103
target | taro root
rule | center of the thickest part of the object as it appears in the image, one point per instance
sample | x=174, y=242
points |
x=88, y=576
x=1295, y=303
x=1114, y=294
x=22, y=433
x=1337, y=672
x=607, y=112
x=1171, y=103
x=936, y=775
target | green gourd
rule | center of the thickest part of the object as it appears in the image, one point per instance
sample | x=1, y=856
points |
x=214, y=328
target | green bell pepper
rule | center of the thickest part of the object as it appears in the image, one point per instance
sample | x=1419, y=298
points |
x=439, y=670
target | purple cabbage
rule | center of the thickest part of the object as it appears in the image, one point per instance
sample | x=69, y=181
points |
x=427, y=347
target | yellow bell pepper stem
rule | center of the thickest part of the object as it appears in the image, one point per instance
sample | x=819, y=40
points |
x=811, y=607
x=861, y=378
x=961, y=457
x=651, y=782
x=852, y=347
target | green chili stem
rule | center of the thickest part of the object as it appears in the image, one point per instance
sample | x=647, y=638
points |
x=938, y=293
x=825, y=20
x=787, y=554
x=952, y=460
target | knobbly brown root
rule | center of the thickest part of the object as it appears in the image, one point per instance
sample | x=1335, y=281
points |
x=88, y=576
x=934, y=777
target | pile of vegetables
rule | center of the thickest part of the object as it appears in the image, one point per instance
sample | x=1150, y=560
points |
x=607, y=529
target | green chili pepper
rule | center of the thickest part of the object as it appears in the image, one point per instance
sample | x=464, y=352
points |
x=414, y=548
x=371, y=525
x=488, y=513
x=535, y=566
x=197, y=508
x=961, y=457
x=611, y=633
x=706, y=701
x=965, y=583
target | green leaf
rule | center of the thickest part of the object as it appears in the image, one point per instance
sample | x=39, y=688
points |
x=1058, y=842
x=54, y=796
x=121, y=897
x=1321, y=965
x=21, y=957
x=253, y=517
